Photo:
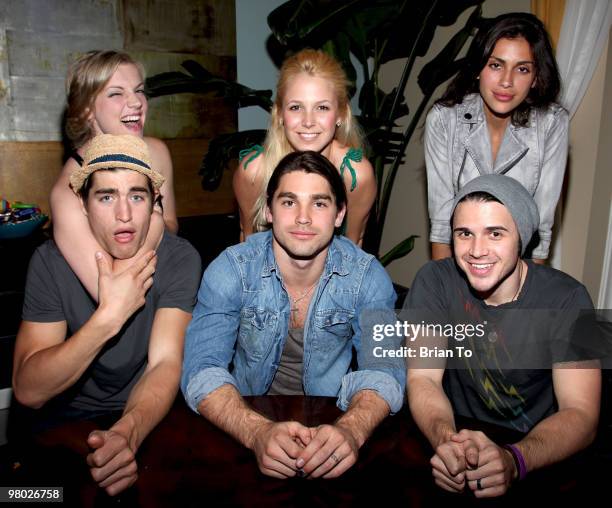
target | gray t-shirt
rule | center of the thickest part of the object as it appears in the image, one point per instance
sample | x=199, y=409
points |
x=54, y=293
x=288, y=377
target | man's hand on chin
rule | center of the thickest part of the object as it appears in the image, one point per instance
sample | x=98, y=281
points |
x=121, y=289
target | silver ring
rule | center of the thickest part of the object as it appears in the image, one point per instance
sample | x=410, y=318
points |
x=334, y=458
x=478, y=484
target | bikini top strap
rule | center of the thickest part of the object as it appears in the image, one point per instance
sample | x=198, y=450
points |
x=79, y=160
x=355, y=155
x=258, y=149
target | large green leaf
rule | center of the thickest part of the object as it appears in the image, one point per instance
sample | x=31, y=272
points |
x=339, y=47
x=382, y=29
x=200, y=80
x=444, y=65
x=169, y=83
x=223, y=149
x=383, y=144
x=302, y=23
x=399, y=251
x=415, y=25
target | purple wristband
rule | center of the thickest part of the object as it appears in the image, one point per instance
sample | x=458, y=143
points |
x=519, y=460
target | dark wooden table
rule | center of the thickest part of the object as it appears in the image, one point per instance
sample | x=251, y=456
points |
x=187, y=462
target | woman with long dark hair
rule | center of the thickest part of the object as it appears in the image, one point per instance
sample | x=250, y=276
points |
x=499, y=115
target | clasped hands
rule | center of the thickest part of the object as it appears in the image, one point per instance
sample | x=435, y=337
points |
x=112, y=460
x=469, y=458
x=287, y=449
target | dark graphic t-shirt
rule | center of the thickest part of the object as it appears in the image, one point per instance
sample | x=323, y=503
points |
x=507, y=378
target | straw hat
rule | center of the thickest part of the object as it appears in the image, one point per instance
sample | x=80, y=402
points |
x=108, y=151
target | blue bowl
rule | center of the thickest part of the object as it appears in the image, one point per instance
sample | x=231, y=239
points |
x=10, y=230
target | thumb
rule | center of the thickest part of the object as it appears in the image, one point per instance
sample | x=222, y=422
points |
x=103, y=262
x=471, y=454
x=95, y=439
x=461, y=436
x=304, y=434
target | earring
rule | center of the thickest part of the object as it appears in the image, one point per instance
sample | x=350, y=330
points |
x=281, y=122
x=338, y=123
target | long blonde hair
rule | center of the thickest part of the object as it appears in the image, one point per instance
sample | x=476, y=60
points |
x=318, y=64
x=86, y=78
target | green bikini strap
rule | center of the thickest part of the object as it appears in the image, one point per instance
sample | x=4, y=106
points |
x=355, y=155
x=258, y=149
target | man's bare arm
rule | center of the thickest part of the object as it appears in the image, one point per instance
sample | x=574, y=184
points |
x=573, y=427
x=429, y=405
x=432, y=412
x=276, y=445
x=226, y=409
x=113, y=459
x=366, y=411
x=46, y=363
x=555, y=438
x=153, y=395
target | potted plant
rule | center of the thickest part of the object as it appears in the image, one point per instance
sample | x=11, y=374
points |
x=375, y=32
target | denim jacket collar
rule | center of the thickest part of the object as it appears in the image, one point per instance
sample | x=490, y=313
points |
x=334, y=263
x=270, y=261
x=470, y=114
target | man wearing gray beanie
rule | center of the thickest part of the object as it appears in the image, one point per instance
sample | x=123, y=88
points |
x=501, y=337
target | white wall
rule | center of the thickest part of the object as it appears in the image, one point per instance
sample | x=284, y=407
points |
x=596, y=218
x=255, y=68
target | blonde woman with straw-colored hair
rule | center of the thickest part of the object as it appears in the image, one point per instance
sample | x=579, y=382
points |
x=311, y=111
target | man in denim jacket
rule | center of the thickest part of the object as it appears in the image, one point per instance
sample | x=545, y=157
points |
x=281, y=313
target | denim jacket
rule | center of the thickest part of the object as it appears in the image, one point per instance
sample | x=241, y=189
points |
x=241, y=321
x=458, y=149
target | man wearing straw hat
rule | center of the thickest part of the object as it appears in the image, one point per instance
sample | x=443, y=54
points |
x=77, y=360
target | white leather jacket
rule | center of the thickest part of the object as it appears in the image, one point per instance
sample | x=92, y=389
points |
x=458, y=149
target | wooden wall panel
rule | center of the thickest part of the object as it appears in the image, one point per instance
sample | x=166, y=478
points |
x=85, y=17
x=188, y=115
x=191, y=198
x=39, y=39
x=28, y=170
x=196, y=26
x=6, y=110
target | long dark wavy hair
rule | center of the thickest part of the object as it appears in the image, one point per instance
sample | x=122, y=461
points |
x=509, y=26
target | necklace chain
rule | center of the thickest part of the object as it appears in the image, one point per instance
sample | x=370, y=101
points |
x=304, y=294
x=520, y=280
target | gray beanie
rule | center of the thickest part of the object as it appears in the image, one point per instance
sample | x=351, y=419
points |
x=513, y=196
